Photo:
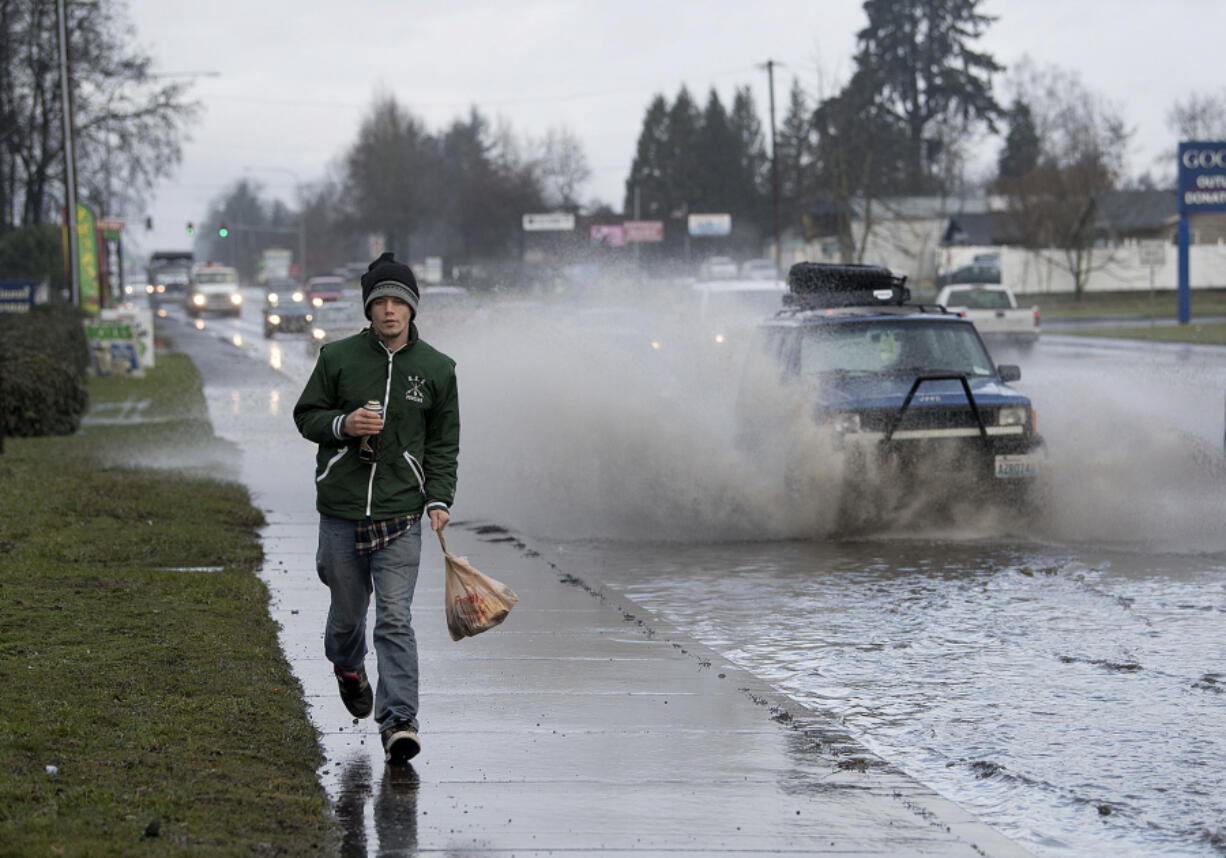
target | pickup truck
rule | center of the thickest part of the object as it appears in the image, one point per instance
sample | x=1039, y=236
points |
x=994, y=311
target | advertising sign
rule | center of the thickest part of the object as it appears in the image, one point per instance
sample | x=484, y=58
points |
x=608, y=235
x=87, y=265
x=644, y=230
x=17, y=296
x=1152, y=252
x=549, y=222
x=1202, y=177
x=120, y=342
x=710, y=224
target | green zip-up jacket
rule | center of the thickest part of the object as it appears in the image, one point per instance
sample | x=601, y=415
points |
x=420, y=441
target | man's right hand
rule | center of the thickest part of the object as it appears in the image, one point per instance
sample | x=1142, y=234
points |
x=362, y=422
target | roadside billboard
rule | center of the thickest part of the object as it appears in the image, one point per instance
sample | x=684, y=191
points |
x=549, y=222
x=608, y=235
x=709, y=224
x=1202, y=177
x=643, y=230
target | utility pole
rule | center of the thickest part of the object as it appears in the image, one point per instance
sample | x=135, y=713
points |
x=770, y=76
x=70, y=161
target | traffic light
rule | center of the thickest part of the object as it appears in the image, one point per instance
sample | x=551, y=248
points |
x=223, y=231
x=191, y=228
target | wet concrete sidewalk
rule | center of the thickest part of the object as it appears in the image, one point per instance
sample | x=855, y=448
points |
x=581, y=725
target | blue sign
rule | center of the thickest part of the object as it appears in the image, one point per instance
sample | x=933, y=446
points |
x=1202, y=177
x=17, y=296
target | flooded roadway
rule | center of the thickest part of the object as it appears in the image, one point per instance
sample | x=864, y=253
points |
x=1062, y=678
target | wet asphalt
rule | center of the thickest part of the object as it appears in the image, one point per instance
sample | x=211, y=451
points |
x=581, y=725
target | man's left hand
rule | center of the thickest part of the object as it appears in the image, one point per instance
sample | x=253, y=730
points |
x=439, y=519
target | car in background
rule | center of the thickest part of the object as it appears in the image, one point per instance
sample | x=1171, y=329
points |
x=724, y=307
x=214, y=289
x=717, y=268
x=759, y=269
x=286, y=308
x=321, y=290
x=335, y=320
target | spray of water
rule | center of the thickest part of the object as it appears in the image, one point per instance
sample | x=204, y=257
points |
x=588, y=419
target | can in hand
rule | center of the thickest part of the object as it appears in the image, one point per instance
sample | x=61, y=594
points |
x=368, y=445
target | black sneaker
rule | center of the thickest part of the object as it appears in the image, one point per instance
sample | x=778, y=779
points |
x=355, y=691
x=400, y=743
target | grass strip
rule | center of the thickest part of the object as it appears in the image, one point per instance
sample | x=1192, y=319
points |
x=1161, y=304
x=148, y=708
x=1193, y=333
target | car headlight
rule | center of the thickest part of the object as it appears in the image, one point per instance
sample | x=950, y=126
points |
x=309, y=317
x=273, y=299
x=149, y=289
x=845, y=422
x=274, y=319
x=317, y=302
x=236, y=299
x=1012, y=415
x=318, y=333
x=297, y=297
x=198, y=300
x=161, y=288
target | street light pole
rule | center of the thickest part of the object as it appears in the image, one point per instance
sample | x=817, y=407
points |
x=70, y=161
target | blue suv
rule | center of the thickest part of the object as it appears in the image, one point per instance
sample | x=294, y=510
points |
x=907, y=393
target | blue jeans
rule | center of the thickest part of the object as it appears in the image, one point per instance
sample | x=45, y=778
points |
x=391, y=573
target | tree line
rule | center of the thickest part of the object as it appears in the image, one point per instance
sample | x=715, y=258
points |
x=921, y=98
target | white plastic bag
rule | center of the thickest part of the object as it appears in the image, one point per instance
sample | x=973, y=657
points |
x=475, y=601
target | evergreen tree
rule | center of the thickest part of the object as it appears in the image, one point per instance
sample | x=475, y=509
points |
x=915, y=57
x=754, y=169
x=1020, y=154
x=717, y=161
x=647, y=170
x=795, y=156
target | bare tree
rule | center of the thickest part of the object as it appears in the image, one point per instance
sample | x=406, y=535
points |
x=1200, y=116
x=129, y=122
x=563, y=167
x=1083, y=140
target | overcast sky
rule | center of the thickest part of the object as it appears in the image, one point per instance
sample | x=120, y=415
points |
x=295, y=79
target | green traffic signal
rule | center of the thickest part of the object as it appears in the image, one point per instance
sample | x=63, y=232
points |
x=191, y=228
x=223, y=231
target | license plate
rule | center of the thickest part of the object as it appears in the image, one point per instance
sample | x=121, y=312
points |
x=1017, y=466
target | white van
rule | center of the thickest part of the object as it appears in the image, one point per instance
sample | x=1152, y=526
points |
x=214, y=288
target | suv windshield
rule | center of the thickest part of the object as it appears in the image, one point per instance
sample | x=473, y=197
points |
x=893, y=347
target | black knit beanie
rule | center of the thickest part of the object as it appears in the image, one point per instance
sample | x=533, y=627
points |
x=386, y=276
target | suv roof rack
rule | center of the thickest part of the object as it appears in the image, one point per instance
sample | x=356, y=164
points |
x=815, y=285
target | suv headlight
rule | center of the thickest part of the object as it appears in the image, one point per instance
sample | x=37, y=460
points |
x=297, y=297
x=318, y=333
x=1012, y=415
x=198, y=300
x=845, y=422
x=236, y=299
x=273, y=299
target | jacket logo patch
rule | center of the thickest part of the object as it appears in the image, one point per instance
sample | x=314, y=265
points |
x=414, y=392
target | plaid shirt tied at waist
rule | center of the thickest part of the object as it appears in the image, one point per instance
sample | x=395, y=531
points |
x=373, y=535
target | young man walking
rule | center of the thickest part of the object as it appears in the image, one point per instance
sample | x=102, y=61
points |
x=377, y=471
